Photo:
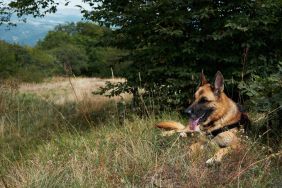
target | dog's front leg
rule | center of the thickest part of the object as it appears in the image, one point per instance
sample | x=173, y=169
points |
x=168, y=133
x=196, y=147
x=183, y=132
x=218, y=156
x=227, y=141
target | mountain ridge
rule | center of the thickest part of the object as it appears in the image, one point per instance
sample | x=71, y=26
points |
x=35, y=29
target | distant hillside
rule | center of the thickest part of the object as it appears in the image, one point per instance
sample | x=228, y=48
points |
x=36, y=28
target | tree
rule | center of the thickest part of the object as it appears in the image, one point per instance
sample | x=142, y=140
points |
x=25, y=63
x=88, y=44
x=170, y=41
x=22, y=8
x=54, y=39
x=8, y=64
x=71, y=58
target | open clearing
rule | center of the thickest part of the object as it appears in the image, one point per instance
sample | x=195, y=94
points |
x=61, y=90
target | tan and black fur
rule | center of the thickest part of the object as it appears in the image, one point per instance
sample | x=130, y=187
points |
x=214, y=115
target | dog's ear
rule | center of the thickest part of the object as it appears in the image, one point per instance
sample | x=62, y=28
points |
x=219, y=83
x=203, y=79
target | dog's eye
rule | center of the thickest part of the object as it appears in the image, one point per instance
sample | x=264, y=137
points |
x=203, y=100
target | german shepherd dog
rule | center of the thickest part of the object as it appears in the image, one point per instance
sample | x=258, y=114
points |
x=215, y=116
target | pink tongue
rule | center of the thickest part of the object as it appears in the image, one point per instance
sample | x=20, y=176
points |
x=194, y=123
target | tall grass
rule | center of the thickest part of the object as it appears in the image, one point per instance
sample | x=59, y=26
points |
x=48, y=145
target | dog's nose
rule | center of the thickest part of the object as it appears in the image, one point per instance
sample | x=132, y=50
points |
x=189, y=111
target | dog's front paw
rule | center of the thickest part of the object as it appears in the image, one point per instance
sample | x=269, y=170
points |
x=168, y=133
x=183, y=134
x=212, y=161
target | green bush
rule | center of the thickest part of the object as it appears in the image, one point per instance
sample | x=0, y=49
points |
x=170, y=42
x=265, y=101
x=25, y=63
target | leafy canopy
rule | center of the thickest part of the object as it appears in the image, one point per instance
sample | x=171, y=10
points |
x=20, y=8
x=170, y=41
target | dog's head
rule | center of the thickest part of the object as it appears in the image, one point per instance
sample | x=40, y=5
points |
x=207, y=101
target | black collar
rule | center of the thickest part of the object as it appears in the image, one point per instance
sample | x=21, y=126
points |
x=214, y=133
x=244, y=123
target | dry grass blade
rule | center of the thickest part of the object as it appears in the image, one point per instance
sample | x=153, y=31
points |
x=254, y=163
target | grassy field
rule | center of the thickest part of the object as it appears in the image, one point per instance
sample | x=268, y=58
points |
x=57, y=134
x=61, y=90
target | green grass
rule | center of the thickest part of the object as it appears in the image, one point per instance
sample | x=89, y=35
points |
x=47, y=145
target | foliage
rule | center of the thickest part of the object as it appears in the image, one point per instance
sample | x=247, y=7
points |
x=21, y=8
x=24, y=63
x=265, y=99
x=72, y=58
x=7, y=60
x=171, y=41
x=54, y=39
x=75, y=48
x=104, y=60
x=5, y=13
x=264, y=92
x=84, y=48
